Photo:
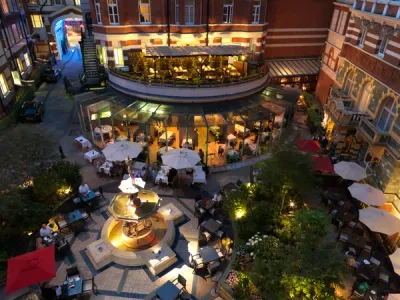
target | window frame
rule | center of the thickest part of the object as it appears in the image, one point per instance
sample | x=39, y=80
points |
x=384, y=42
x=97, y=10
x=27, y=59
x=390, y=115
x=34, y=22
x=4, y=3
x=119, y=55
x=363, y=37
x=191, y=8
x=177, y=13
x=20, y=65
x=364, y=103
x=4, y=88
x=334, y=20
x=349, y=81
x=340, y=28
x=115, y=14
x=145, y=5
x=256, y=13
x=227, y=13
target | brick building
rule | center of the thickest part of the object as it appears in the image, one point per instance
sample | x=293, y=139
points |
x=15, y=57
x=359, y=83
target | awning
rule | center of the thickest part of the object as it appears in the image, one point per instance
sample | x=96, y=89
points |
x=294, y=67
x=322, y=163
x=308, y=146
x=164, y=51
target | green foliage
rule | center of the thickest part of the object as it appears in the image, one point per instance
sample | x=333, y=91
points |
x=242, y=288
x=236, y=200
x=287, y=175
x=260, y=217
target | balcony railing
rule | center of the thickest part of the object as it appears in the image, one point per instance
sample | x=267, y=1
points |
x=342, y=112
x=336, y=92
x=372, y=133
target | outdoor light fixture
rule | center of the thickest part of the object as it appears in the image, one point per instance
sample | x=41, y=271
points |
x=124, y=116
x=291, y=204
x=240, y=213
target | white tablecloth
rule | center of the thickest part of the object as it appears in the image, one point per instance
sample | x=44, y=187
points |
x=91, y=155
x=142, y=144
x=106, y=167
x=170, y=135
x=241, y=129
x=83, y=142
x=163, y=150
x=232, y=152
x=103, y=129
x=187, y=143
x=140, y=138
x=231, y=138
x=199, y=176
x=163, y=176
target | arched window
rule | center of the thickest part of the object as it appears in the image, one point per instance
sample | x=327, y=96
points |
x=387, y=115
x=366, y=95
x=331, y=59
x=348, y=83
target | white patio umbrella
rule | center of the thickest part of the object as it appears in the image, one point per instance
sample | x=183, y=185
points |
x=121, y=150
x=394, y=297
x=350, y=170
x=395, y=258
x=180, y=158
x=367, y=194
x=379, y=220
x=127, y=186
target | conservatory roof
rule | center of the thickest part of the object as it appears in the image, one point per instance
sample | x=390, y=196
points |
x=294, y=67
x=165, y=51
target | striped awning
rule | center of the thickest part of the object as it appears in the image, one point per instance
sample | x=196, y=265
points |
x=294, y=67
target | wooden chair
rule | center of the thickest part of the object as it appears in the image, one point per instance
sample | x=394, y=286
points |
x=61, y=224
x=180, y=283
x=86, y=214
x=72, y=273
x=89, y=287
x=213, y=267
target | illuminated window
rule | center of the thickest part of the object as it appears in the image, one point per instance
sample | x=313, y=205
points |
x=27, y=59
x=20, y=65
x=189, y=12
x=144, y=12
x=98, y=11
x=37, y=21
x=4, y=6
x=256, y=11
x=365, y=98
x=77, y=2
x=113, y=11
x=228, y=11
x=3, y=85
x=103, y=55
x=334, y=20
x=177, y=12
x=118, y=57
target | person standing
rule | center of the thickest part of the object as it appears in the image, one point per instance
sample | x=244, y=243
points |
x=201, y=154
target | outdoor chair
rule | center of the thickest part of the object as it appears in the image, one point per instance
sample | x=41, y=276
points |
x=352, y=224
x=89, y=287
x=384, y=277
x=180, y=283
x=220, y=234
x=213, y=267
x=61, y=224
x=99, y=192
x=86, y=214
x=72, y=273
x=375, y=261
x=222, y=252
x=357, y=295
x=76, y=200
x=343, y=237
x=208, y=235
x=94, y=203
x=333, y=212
x=367, y=248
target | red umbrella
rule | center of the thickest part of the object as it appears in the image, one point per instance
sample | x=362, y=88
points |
x=322, y=163
x=30, y=268
x=308, y=146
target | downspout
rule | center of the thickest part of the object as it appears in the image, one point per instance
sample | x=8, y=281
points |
x=208, y=21
x=168, y=23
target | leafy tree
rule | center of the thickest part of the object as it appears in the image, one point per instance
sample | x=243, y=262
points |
x=243, y=287
x=287, y=173
x=25, y=151
x=238, y=200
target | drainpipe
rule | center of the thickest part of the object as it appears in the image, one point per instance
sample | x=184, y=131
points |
x=208, y=21
x=168, y=23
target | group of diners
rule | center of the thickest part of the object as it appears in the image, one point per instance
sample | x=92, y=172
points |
x=362, y=250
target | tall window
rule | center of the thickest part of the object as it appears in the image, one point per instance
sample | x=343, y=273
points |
x=334, y=20
x=103, y=55
x=4, y=6
x=20, y=65
x=37, y=21
x=144, y=11
x=189, y=12
x=113, y=11
x=365, y=97
x=15, y=32
x=4, y=85
x=98, y=11
x=118, y=57
x=77, y=2
x=256, y=11
x=363, y=36
x=349, y=83
x=387, y=115
x=228, y=11
x=177, y=12
x=27, y=59
x=342, y=22
x=10, y=36
x=383, y=45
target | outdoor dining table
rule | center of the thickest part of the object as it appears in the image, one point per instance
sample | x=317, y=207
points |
x=91, y=155
x=208, y=254
x=90, y=196
x=52, y=239
x=72, y=219
x=211, y=226
x=168, y=291
x=74, y=287
x=356, y=241
x=231, y=138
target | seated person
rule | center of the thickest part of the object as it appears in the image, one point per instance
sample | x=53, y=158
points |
x=45, y=230
x=217, y=197
x=143, y=173
x=84, y=189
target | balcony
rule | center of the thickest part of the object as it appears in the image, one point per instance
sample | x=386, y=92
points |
x=342, y=112
x=374, y=135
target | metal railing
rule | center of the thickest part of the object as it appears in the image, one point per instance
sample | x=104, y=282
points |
x=374, y=134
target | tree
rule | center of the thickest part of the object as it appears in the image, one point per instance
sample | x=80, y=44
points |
x=25, y=151
x=287, y=173
x=236, y=202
